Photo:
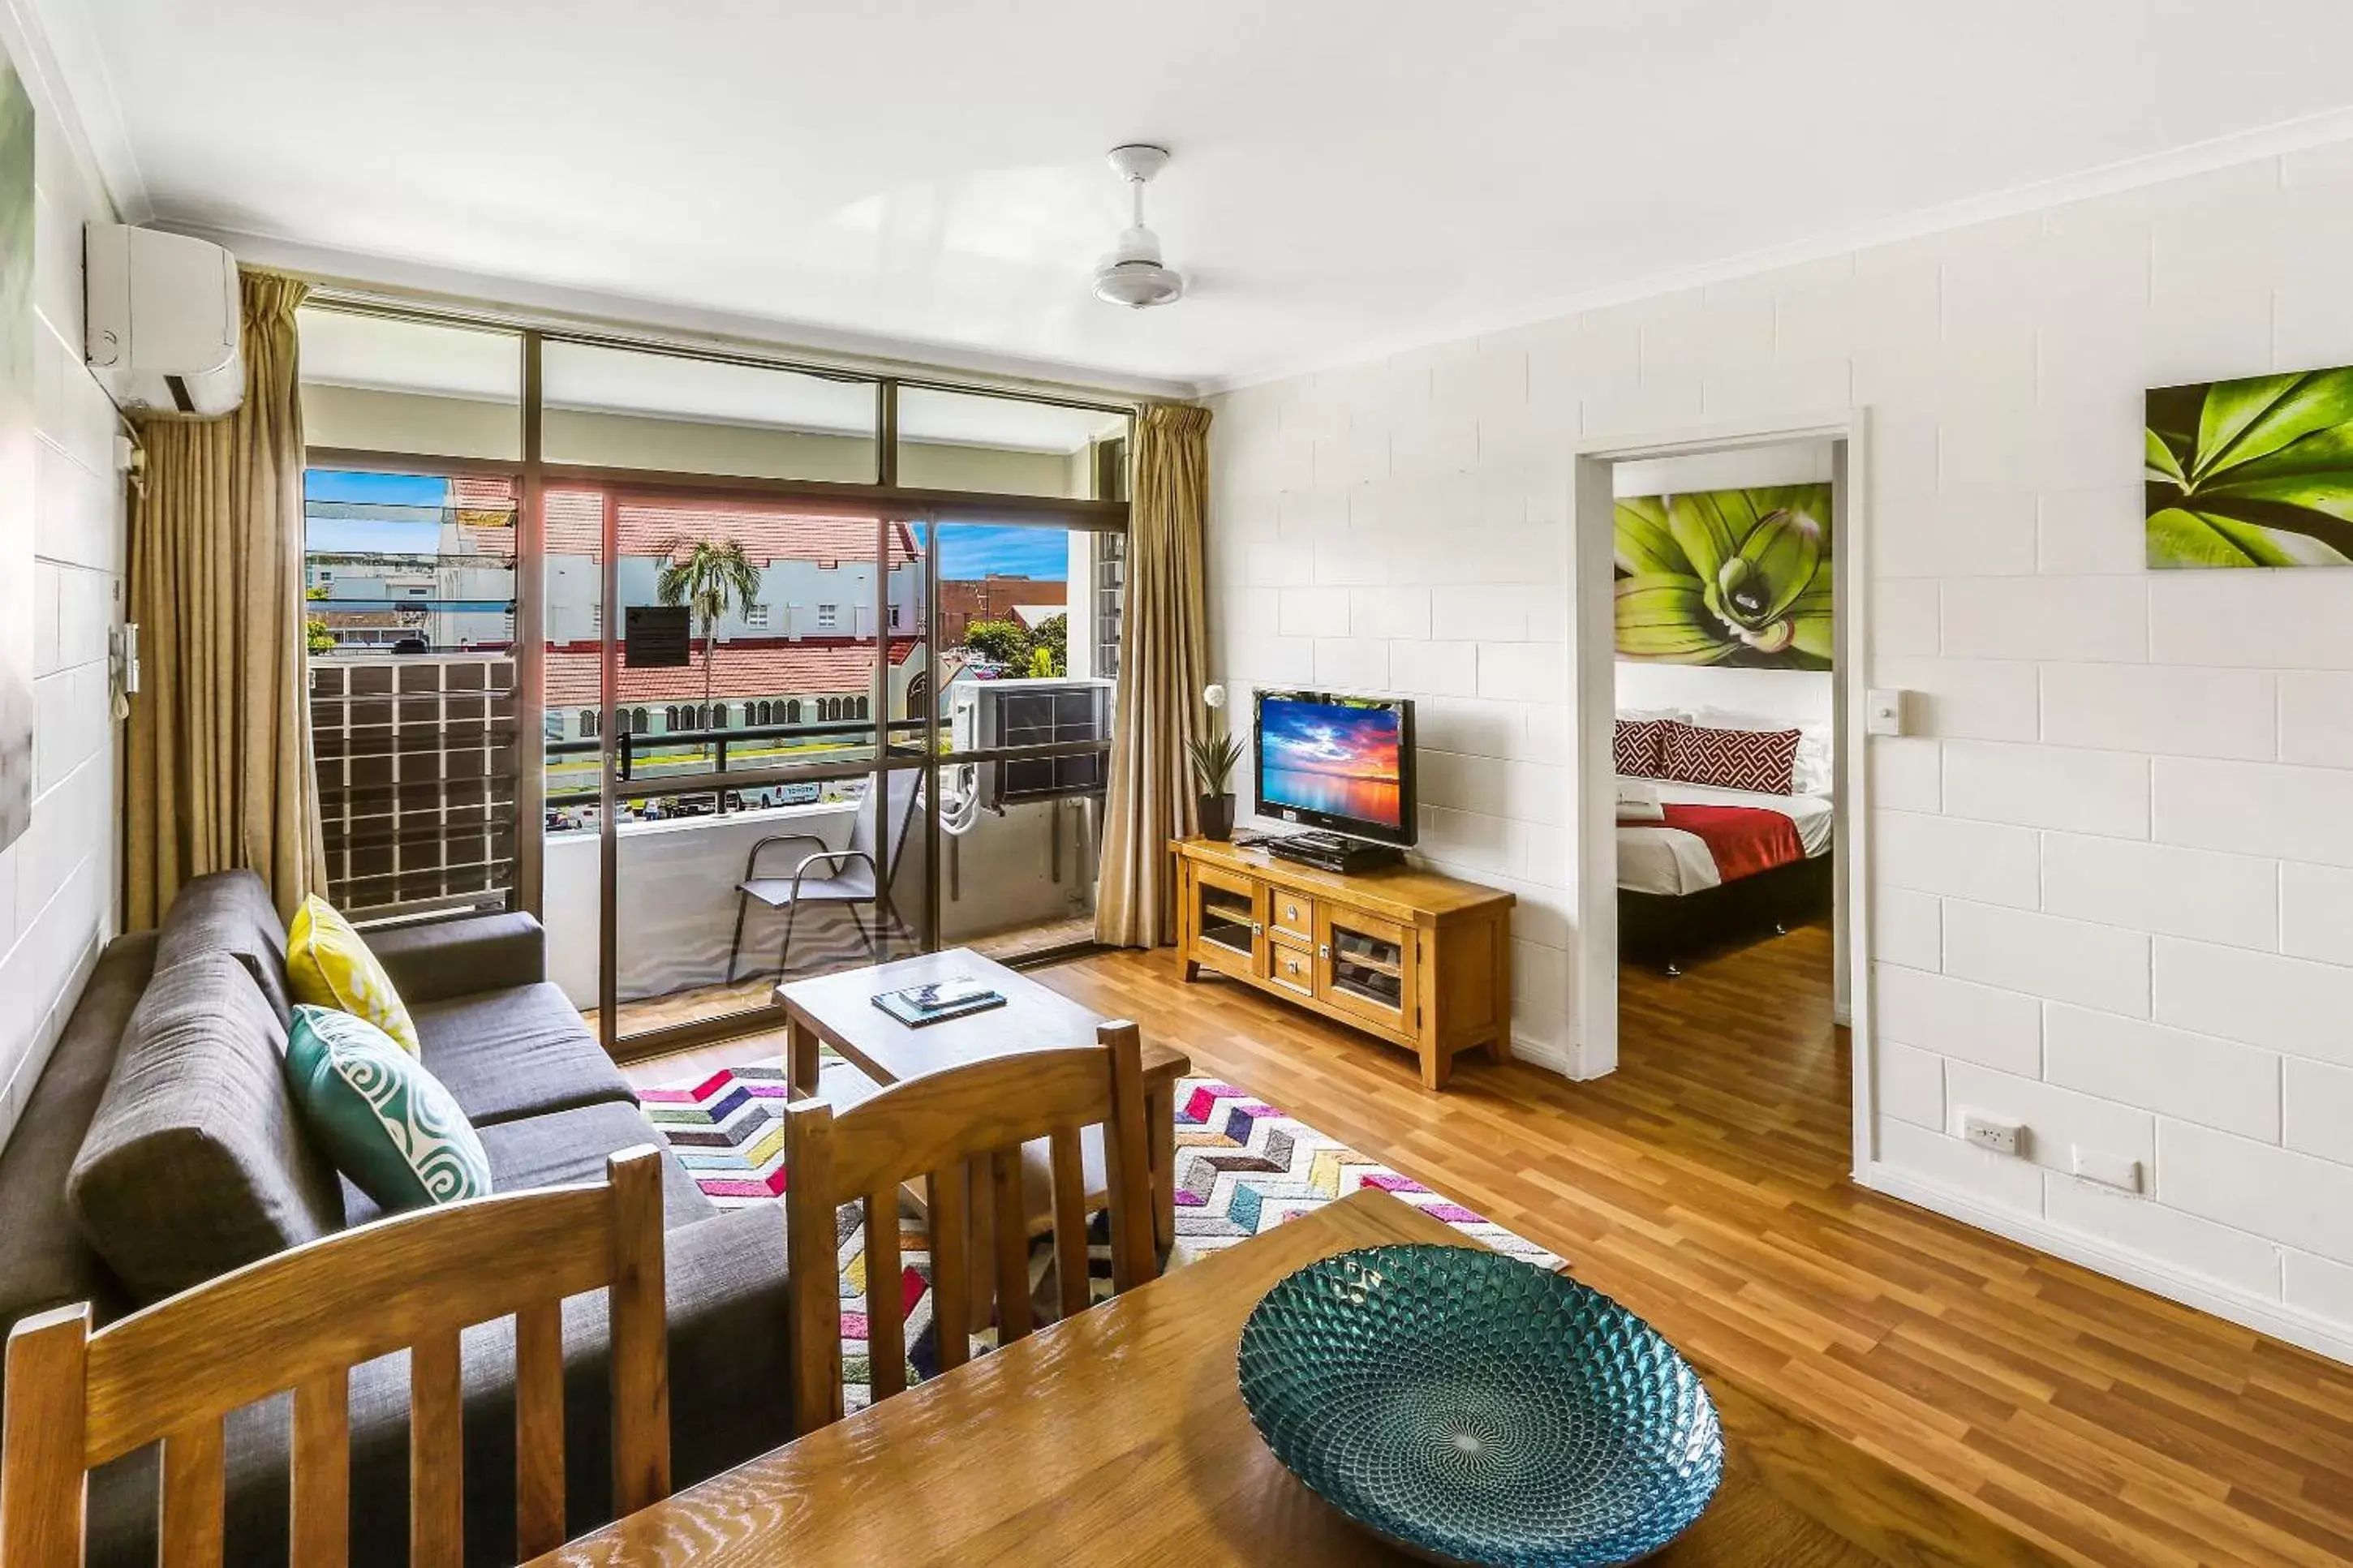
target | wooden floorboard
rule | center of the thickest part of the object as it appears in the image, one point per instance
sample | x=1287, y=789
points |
x=1705, y=1184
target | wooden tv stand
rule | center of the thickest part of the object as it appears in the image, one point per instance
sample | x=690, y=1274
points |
x=1410, y=957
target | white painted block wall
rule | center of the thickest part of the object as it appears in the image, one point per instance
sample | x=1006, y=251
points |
x=57, y=883
x=2114, y=870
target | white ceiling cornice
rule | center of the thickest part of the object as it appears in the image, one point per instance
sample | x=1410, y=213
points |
x=2132, y=174
x=524, y=302
x=83, y=80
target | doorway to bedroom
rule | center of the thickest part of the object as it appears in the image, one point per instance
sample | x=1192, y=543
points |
x=1724, y=864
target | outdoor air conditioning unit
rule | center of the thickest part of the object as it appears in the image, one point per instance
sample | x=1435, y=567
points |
x=983, y=715
x=163, y=316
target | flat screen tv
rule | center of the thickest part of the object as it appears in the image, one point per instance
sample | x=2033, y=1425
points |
x=1340, y=762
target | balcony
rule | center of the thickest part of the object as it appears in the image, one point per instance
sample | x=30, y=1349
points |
x=1015, y=883
x=416, y=762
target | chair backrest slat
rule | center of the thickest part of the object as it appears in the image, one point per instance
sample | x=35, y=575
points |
x=961, y=1128
x=1129, y=1162
x=811, y=1247
x=323, y=1471
x=1011, y=1226
x=195, y=1506
x=42, y=1474
x=436, y=1452
x=886, y=1300
x=640, y=1346
x=1068, y=1162
x=539, y=1429
x=949, y=1212
x=301, y=1320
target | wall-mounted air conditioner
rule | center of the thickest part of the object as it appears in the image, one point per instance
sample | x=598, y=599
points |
x=163, y=315
x=985, y=715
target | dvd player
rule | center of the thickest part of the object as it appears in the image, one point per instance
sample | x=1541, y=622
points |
x=1332, y=852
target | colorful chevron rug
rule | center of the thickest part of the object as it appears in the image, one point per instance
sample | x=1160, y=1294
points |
x=1243, y=1166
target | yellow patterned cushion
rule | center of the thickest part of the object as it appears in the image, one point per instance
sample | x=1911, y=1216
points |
x=327, y=965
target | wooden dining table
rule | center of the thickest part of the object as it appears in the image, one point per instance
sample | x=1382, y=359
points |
x=1119, y=1435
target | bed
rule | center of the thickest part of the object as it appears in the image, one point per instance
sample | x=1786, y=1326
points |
x=1726, y=865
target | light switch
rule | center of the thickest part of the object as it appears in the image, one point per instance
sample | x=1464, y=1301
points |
x=1882, y=712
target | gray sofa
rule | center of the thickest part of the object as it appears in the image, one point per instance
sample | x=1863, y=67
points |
x=159, y=1149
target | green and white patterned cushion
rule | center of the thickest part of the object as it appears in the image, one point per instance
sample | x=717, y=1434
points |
x=387, y=1123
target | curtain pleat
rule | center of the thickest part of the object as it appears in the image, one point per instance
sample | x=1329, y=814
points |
x=219, y=767
x=1163, y=665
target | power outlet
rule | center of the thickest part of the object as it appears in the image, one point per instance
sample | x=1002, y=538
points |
x=2114, y=1171
x=1987, y=1132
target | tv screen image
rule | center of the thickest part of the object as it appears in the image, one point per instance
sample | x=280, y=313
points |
x=1337, y=761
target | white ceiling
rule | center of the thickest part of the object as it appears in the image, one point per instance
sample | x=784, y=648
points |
x=1351, y=176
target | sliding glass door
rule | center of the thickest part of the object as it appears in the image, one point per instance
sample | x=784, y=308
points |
x=717, y=814
x=818, y=663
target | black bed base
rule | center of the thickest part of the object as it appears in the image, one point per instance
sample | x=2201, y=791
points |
x=1659, y=931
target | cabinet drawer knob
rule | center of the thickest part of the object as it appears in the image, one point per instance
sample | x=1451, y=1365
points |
x=1324, y=951
x=1257, y=929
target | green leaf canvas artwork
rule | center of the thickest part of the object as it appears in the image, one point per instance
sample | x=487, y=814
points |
x=1733, y=577
x=2257, y=472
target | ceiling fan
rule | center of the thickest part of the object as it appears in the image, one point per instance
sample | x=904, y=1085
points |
x=1133, y=275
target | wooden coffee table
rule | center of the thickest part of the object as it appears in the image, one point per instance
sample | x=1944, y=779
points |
x=838, y=1010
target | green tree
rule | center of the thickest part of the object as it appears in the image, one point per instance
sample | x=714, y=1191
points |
x=1002, y=642
x=710, y=579
x=315, y=634
x=1052, y=638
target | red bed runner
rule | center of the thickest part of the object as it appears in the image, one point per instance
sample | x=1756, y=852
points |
x=1744, y=839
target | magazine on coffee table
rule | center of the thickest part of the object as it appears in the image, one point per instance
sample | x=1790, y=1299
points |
x=956, y=997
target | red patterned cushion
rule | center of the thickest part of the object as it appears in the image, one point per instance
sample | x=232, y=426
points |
x=1757, y=760
x=1636, y=746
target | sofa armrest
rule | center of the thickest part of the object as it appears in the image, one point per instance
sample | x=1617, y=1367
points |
x=436, y=960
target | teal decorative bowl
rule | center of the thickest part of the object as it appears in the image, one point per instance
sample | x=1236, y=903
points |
x=1472, y=1409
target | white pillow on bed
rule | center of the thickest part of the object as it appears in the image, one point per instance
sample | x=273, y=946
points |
x=1638, y=801
x=1643, y=715
x=1812, y=773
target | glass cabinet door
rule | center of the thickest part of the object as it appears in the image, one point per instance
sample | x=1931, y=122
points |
x=1365, y=965
x=1229, y=924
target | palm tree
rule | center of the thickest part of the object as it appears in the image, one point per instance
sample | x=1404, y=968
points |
x=711, y=579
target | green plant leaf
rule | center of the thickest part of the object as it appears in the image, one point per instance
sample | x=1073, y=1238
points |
x=1700, y=526
x=2245, y=421
x=1644, y=544
x=1782, y=553
x=1814, y=632
x=2159, y=461
x=2314, y=472
x=1663, y=618
x=1811, y=500
x=2181, y=537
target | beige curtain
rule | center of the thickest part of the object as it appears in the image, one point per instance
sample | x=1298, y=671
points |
x=220, y=770
x=1162, y=665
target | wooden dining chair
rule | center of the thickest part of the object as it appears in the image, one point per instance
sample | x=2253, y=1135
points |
x=935, y=1128
x=301, y=1320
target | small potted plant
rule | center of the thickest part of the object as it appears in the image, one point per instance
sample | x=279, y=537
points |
x=1213, y=759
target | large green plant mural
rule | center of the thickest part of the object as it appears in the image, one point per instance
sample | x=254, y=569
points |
x=2256, y=472
x=1739, y=577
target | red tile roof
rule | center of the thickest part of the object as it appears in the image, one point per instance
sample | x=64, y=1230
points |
x=766, y=667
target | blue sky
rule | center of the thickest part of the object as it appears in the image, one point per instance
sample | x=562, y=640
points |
x=976, y=550
x=356, y=535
